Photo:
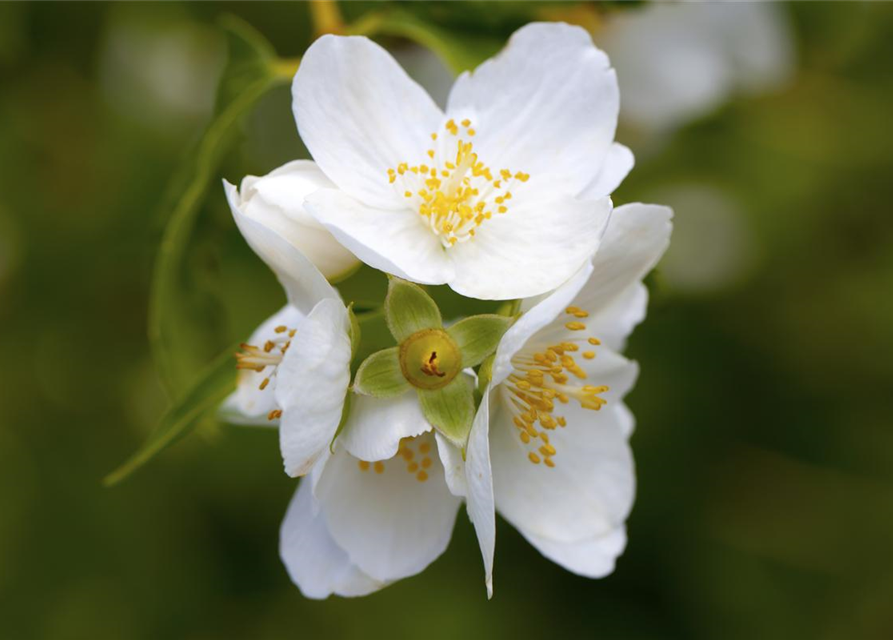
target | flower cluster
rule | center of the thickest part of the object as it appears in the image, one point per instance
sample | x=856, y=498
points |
x=502, y=197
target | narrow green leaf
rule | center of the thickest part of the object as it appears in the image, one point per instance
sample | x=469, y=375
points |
x=478, y=336
x=451, y=410
x=355, y=332
x=249, y=74
x=409, y=309
x=380, y=375
x=218, y=380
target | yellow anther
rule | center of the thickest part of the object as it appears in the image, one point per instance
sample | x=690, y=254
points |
x=421, y=476
x=363, y=465
x=466, y=122
x=431, y=153
x=275, y=413
x=407, y=194
x=548, y=462
x=575, y=326
x=523, y=177
x=502, y=209
x=426, y=463
x=378, y=467
x=413, y=467
x=434, y=136
x=471, y=132
x=525, y=437
x=535, y=459
x=589, y=355
x=594, y=341
x=424, y=447
x=281, y=329
x=264, y=383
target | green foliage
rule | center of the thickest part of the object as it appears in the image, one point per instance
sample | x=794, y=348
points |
x=249, y=74
x=218, y=380
x=409, y=309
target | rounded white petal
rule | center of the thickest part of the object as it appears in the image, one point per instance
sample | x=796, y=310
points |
x=359, y=114
x=391, y=524
x=634, y=241
x=618, y=163
x=317, y=565
x=395, y=241
x=592, y=557
x=590, y=490
x=302, y=281
x=479, y=480
x=249, y=404
x=539, y=316
x=376, y=425
x=530, y=250
x=546, y=105
x=276, y=200
x=313, y=379
x=453, y=466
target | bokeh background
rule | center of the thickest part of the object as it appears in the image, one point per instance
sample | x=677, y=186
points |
x=765, y=405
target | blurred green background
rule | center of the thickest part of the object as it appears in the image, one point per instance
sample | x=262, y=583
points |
x=765, y=405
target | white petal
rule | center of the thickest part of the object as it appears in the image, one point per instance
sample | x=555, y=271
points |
x=530, y=250
x=302, y=281
x=313, y=379
x=249, y=404
x=276, y=200
x=391, y=524
x=617, y=165
x=613, y=323
x=546, y=105
x=376, y=425
x=394, y=241
x=360, y=114
x=453, y=466
x=317, y=565
x=636, y=238
x=479, y=478
x=540, y=315
x=592, y=557
x=591, y=487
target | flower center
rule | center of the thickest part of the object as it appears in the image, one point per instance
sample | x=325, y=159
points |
x=457, y=192
x=254, y=358
x=430, y=359
x=544, y=377
x=417, y=458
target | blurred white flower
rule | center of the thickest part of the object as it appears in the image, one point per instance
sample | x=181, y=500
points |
x=503, y=196
x=549, y=448
x=678, y=61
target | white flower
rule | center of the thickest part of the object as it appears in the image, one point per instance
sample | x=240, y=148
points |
x=679, y=61
x=277, y=201
x=378, y=510
x=296, y=368
x=502, y=196
x=548, y=448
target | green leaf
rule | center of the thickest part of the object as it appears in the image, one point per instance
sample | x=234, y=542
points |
x=450, y=410
x=249, y=74
x=380, y=375
x=355, y=332
x=218, y=381
x=459, y=50
x=485, y=373
x=409, y=309
x=478, y=336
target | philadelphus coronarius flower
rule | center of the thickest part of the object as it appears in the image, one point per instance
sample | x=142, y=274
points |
x=549, y=445
x=503, y=196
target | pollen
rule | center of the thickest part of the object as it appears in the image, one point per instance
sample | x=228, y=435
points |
x=458, y=193
x=544, y=379
x=259, y=359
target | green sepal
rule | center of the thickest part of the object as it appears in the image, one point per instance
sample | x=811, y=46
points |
x=355, y=332
x=345, y=415
x=478, y=336
x=380, y=375
x=409, y=309
x=450, y=410
x=485, y=373
x=509, y=308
